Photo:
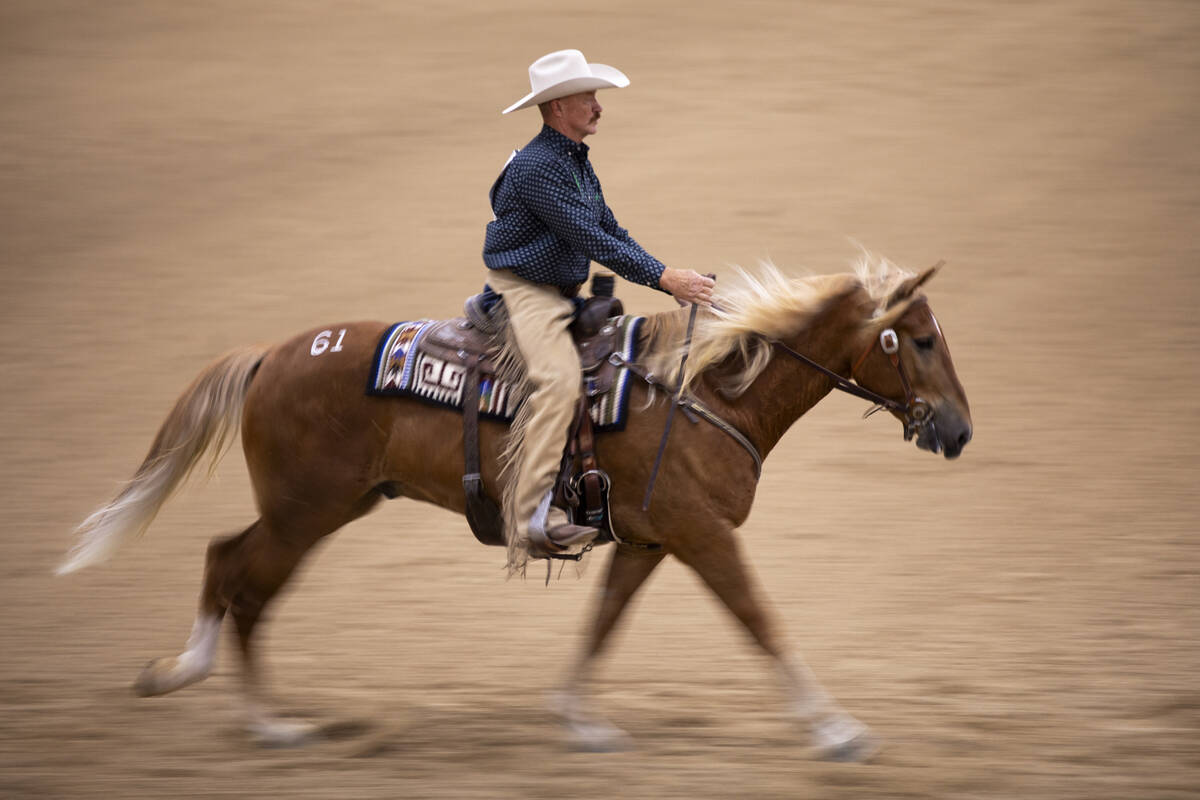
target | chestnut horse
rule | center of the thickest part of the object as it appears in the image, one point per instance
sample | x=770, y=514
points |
x=321, y=453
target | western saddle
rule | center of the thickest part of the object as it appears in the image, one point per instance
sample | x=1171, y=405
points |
x=582, y=488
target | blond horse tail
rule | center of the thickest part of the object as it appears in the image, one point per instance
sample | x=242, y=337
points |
x=204, y=418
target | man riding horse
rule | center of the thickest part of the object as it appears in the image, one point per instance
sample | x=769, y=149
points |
x=551, y=221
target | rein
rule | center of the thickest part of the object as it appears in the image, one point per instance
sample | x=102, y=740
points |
x=662, y=445
x=845, y=385
x=693, y=408
x=914, y=410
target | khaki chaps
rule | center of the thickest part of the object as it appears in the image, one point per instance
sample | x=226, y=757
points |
x=539, y=317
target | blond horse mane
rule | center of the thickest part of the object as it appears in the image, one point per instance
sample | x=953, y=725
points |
x=753, y=308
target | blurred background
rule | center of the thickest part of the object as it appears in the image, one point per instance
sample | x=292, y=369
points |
x=180, y=179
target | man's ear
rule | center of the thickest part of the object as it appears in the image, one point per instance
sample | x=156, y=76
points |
x=905, y=290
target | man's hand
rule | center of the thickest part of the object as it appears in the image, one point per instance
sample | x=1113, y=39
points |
x=688, y=286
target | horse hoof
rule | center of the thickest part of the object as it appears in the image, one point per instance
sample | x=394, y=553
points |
x=282, y=732
x=840, y=737
x=161, y=676
x=857, y=750
x=147, y=682
x=585, y=733
x=598, y=737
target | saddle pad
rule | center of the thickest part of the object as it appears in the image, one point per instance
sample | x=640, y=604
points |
x=401, y=368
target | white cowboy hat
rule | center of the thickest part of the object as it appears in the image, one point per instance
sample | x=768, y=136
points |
x=565, y=72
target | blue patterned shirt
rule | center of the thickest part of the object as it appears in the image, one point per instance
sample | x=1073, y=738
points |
x=552, y=221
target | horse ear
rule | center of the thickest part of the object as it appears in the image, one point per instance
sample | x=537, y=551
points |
x=905, y=290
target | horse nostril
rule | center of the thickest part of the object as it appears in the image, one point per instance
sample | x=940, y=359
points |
x=964, y=437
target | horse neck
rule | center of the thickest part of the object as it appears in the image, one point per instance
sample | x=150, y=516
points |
x=787, y=389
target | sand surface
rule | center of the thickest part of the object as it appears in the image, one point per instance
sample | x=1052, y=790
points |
x=180, y=179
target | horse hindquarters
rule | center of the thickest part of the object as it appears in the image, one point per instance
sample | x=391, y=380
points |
x=321, y=453
x=291, y=434
x=314, y=446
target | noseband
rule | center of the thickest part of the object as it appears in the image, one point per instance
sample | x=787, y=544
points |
x=916, y=412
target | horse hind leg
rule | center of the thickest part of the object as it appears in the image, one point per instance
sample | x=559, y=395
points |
x=222, y=570
x=263, y=564
x=270, y=562
x=242, y=575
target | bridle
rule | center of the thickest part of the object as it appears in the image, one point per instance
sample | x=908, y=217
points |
x=916, y=412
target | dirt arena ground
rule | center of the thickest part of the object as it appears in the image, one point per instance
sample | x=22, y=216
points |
x=181, y=179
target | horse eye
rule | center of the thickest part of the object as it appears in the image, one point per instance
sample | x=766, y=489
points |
x=924, y=342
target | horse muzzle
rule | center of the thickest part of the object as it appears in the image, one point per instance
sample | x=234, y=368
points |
x=943, y=433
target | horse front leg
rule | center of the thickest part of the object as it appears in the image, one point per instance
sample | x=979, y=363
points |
x=627, y=571
x=716, y=558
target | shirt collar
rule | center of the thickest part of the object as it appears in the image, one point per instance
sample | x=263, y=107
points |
x=561, y=143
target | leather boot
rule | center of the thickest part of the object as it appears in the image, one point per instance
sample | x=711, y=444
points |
x=556, y=536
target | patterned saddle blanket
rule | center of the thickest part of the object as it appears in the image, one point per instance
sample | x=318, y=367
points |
x=427, y=359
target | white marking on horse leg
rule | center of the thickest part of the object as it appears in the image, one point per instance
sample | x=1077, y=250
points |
x=564, y=703
x=193, y=664
x=835, y=734
x=807, y=697
x=584, y=731
x=567, y=700
x=271, y=730
x=197, y=660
